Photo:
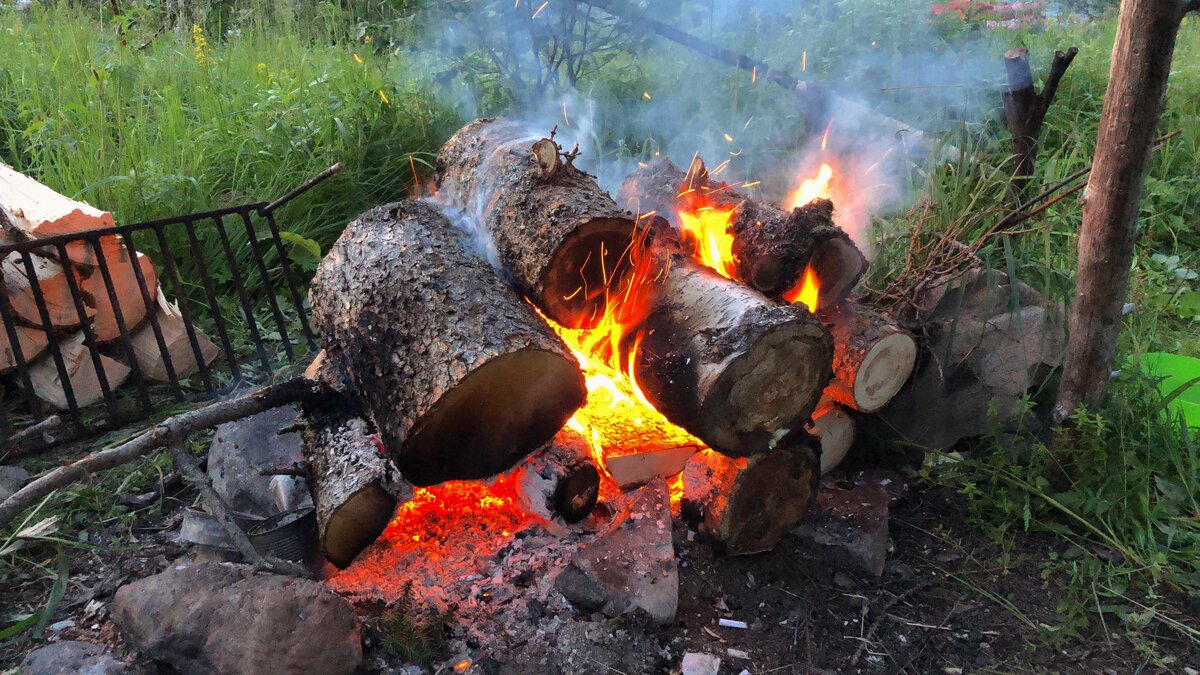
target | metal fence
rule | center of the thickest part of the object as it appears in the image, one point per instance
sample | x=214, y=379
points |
x=251, y=306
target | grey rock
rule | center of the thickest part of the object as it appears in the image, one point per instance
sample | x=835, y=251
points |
x=12, y=478
x=695, y=663
x=848, y=526
x=632, y=566
x=241, y=449
x=222, y=618
x=71, y=658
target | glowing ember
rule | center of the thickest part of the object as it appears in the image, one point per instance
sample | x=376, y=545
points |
x=807, y=292
x=816, y=187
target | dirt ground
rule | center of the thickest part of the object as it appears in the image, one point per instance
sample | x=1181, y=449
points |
x=938, y=608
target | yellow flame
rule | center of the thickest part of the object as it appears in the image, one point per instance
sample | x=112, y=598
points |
x=812, y=188
x=807, y=292
x=707, y=229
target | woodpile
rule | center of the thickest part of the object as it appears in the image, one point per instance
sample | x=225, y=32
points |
x=72, y=306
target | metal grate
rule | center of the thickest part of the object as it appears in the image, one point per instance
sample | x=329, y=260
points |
x=255, y=317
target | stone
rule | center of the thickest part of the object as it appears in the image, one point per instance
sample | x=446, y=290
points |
x=695, y=663
x=848, y=526
x=632, y=566
x=223, y=618
x=241, y=449
x=12, y=478
x=71, y=658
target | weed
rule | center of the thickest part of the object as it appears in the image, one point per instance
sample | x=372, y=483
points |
x=410, y=637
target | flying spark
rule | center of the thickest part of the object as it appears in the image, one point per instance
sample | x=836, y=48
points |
x=539, y=9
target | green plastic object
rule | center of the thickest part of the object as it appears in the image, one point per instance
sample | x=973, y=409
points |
x=1176, y=370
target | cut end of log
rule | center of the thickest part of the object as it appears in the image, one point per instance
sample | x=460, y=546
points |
x=835, y=428
x=356, y=523
x=545, y=151
x=746, y=505
x=884, y=371
x=560, y=480
x=494, y=417
x=592, y=257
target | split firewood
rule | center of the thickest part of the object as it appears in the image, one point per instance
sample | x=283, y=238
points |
x=461, y=377
x=836, y=430
x=31, y=342
x=746, y=505
x=81, y=373
x=184, y=359
x=771, y=247
x=354, y=485
x=129, y=295
x=561, y=237
x=36, y=212
x=872, y=358
x=560, y=479
x=633, y=469
x=728, y=365
x=51, y=283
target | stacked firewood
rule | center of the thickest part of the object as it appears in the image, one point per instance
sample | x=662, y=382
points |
x=74, y=289
x=454, y=375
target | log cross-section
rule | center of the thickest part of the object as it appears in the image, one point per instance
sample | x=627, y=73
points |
x=560, y=236
x=461, y=377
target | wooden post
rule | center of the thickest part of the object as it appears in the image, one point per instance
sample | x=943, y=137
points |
x=1141, y=62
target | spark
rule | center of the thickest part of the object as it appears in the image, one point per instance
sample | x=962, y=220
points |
x=720, y=167
x=825, y=138
x=754, y=75
x=357, y=59
x=728, y=138
x=646, y=95
x=566, y=120
x=383, y=97
x=753, y=184
x=539, y=9
x=803, y=60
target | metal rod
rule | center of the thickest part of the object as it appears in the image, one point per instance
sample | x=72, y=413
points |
x=184, y=311
x=268, y=287
x=297, y=301
x=151, y=304
x=39, y=299
x=240, y=288
x=89, y=335
x=304, y=187
x=10, y=329
x=213, y=306
x=119, y=317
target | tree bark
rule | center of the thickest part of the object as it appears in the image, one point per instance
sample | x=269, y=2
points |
x=1141, y=63
x=872, y=356
x=727, y=364
x=746, y=505
x=461, y=378
x=771, y=247
x=560, y=236
x=354, y=485
x=1025, y=110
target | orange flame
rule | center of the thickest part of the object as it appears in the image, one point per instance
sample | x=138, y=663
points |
x=707, y=229
x=807, y=292
x=816, y=187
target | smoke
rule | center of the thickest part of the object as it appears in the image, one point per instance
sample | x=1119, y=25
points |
x=625, y=95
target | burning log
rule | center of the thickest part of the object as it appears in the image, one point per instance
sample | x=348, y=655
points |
x=561, y=237
x=746, y=505
x=727, y=364
x=771, y=248
x=354, y=485
x=461, y=378
x=836, y=430
x=560, y=480
x=872, y=358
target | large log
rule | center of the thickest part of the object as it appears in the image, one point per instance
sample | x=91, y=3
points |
x=461, y=377
x=771, y=247
x=131, y=300
x=560, y=236
x=174, y=332
x=51, y=284
x=354, y=485
x=31, y=342
x=746, y=505
x=81, y=373
x=725, y=363
x=872, y=357
x=35, y=211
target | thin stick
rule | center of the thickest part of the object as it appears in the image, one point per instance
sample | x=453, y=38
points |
x=187, y=466
x=169, y=431
x=33, y=434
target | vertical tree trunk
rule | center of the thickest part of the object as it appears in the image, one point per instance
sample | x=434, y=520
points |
x=1141, y=62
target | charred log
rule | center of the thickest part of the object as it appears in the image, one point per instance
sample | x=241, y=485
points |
x=746, y=505
x=727, y=364
x=561, y=237
x=560, y=480
x=460, y=376
x=872, y=357
x=772, y=247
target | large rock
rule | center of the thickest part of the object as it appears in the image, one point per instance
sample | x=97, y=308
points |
x=848, y=526
x=631, y=567
x=240, y=450
x=229, y=619
x=12, y=478
x=71, y=658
